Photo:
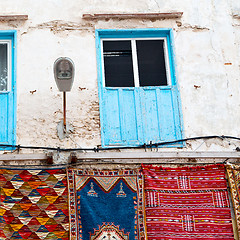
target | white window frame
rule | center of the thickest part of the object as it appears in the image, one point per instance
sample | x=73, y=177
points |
x=134, y=58
x=9, y=63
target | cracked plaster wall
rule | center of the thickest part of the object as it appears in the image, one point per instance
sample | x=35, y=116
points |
x=207, y=51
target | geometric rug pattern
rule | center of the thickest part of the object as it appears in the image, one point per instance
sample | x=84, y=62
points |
x=187, y=203
x=34, y=204
x=106, y=204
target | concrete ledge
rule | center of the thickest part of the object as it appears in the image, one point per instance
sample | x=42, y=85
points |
x=132, y=157
x=23, y=157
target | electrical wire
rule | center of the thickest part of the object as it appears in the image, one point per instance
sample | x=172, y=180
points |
x=97, y=149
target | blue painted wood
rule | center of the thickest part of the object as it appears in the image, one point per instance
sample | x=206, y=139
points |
x=4, y=117
x=158, y=115
x=133, y=116
x=111, y=115
x=120, y=112
x=8, y=99
x=128, y=116
x=104, y=132
x=133, y=33
x=176, y=101
x=150, y=115
x=177, y=104
x=139, y=115
x=166, y=115
x=138, y=109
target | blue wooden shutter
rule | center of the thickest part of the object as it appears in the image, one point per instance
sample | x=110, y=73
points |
x=160, y=114
x=135, y=116
x=8, y=98
x=121, y=124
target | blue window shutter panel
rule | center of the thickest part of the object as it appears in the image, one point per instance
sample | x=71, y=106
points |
x=166, y=115
x=4, y=118
x=128, y=115
x=158, y=114
x=8, y=99
x=177, y=112
x=132, y=116
x=120, y=113
x=139, y=117
x=150, y=119
x=110, y=110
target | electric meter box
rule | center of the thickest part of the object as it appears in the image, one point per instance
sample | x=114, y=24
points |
x=64, y=73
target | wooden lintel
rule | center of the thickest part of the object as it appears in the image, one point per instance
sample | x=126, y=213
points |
x=13, y=17
x=100, y=16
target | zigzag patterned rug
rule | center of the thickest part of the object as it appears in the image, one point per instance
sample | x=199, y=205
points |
x=34, y=204
x=106, y=204
x=187, y=203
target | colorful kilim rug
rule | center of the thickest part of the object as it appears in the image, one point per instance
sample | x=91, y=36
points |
x=34, y=204
x=234, y=182
x=187, y=203
x=106, y=204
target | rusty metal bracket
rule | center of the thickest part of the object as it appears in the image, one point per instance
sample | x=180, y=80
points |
x=50, y=158
x=73, y=158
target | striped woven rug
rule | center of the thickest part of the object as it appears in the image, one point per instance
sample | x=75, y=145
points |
x=187, y=203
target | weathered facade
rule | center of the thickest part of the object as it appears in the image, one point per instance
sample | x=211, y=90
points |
x=206, y=60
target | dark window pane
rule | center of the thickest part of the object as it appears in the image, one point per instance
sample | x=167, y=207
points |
x=151, y=63
x=3, y=67
x=118, y=64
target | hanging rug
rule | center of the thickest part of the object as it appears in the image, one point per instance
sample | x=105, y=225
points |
x=187, y=203
x=106, y=204
x=33, y=204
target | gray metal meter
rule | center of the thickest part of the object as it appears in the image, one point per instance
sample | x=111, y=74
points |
x=64, y=73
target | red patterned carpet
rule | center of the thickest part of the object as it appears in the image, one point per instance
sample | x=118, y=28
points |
x=187, y=203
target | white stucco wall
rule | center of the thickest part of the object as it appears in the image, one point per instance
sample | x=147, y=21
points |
x=207, y=57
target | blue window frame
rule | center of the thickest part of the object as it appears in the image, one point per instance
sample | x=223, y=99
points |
x=138, y=94
x=8, y=88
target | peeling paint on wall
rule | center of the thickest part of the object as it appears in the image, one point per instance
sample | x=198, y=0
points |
x=207, y=49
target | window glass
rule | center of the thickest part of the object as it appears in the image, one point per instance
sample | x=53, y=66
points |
x=151, y=63
x=118, y=64
x=3, y=67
